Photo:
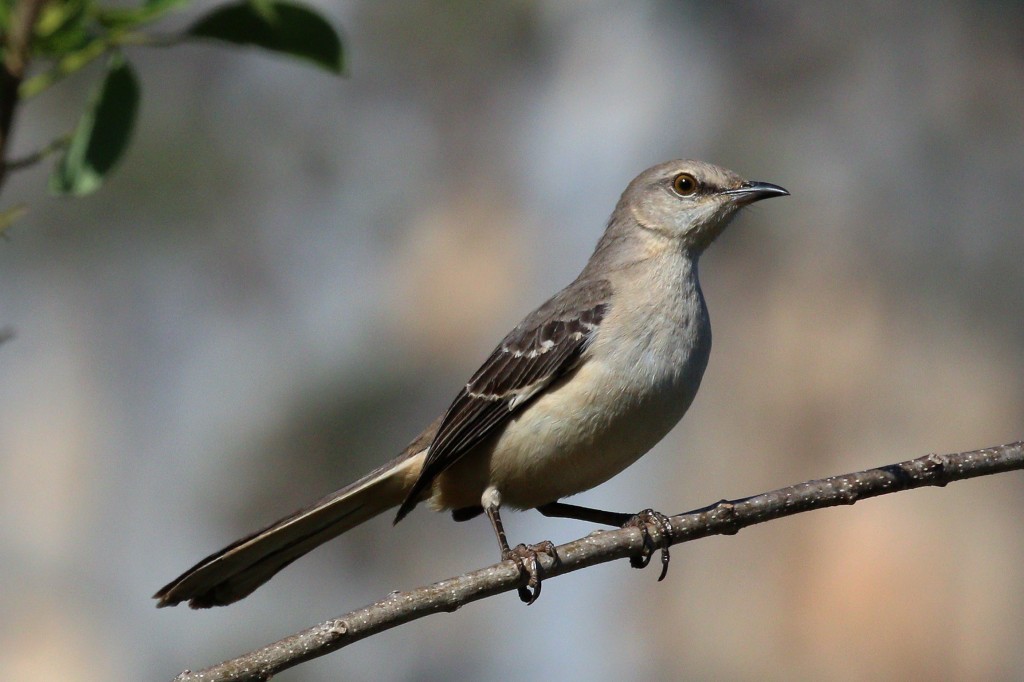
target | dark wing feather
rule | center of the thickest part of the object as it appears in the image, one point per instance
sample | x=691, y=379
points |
x=543, y=347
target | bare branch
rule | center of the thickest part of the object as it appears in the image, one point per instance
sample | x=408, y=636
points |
x=723, y=518
x=35, y=157
x=16, y=53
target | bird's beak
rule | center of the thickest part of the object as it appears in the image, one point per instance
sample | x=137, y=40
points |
x=752, y=191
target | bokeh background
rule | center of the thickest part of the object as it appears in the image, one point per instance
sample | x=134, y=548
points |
x=291, y=274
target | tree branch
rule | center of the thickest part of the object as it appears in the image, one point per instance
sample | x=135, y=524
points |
x=16, y=52
x=723, y=518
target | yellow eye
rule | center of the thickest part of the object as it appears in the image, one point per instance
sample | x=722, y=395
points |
x=684, y=184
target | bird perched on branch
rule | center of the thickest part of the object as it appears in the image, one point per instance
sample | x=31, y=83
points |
x=576, y=392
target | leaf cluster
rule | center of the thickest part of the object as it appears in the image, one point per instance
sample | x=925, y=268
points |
x=69, y=35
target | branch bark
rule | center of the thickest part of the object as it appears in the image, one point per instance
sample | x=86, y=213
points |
x=724, y=518
x=17, y=44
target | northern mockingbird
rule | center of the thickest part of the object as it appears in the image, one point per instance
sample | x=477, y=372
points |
x=578, y=391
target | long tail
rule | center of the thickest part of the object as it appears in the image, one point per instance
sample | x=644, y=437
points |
x=238, y=569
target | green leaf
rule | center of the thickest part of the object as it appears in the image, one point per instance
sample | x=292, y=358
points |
x=102, y=133
x=282, y=27
x=131, y=17
x=56, y=15
x=164, y=5
x=63, y=27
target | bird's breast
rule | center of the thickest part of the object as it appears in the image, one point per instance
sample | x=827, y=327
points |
x=638, y=378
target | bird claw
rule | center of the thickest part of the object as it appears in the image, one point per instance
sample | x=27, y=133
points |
x=525, y=558
x=642, y=521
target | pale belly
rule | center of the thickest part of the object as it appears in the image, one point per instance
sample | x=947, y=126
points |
x=567, y=441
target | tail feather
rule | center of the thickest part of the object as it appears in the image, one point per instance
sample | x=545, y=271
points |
x=238, y=569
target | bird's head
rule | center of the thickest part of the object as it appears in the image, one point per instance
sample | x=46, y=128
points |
x=691, y=201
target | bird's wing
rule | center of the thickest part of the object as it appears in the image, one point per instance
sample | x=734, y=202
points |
x=545, y=346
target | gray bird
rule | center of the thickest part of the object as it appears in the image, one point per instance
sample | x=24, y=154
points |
x=578, y=391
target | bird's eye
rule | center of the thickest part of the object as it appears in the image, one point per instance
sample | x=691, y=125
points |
x=684, y=184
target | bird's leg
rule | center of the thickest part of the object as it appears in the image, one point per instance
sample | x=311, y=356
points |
x=525, y=556
x=642, y=520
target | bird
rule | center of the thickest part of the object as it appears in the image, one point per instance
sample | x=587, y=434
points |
x=580, y=389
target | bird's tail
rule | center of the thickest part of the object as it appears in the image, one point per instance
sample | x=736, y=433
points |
x=238, y=569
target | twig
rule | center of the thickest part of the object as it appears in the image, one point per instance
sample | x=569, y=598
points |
x=16, y=55
x=100, y=47
x=723, y=518
x=35, y=157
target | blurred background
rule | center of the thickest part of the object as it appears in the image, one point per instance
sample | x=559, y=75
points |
x=269, y=299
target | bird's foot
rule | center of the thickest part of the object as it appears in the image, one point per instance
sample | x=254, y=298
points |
x=643, y=521
x=525, y=557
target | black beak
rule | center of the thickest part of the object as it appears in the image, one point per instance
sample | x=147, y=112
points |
x=752, y=191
